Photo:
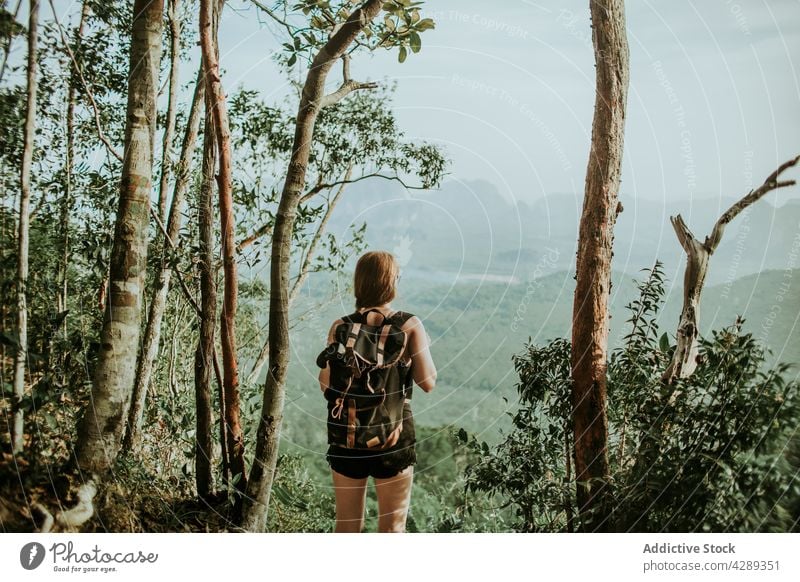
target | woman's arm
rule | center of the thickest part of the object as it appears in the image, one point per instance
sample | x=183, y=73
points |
x=324, y=377
x=423, y=368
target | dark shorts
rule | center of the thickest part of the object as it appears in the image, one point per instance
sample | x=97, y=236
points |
x=359, y=464
x=362, y=463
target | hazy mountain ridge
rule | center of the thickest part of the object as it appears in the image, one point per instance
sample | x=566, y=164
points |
x=469, y=227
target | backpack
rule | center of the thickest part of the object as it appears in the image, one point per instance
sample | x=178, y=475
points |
x=368, y=383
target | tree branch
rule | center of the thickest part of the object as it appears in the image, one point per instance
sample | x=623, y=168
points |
x=302, y=275
x=86, y=88
x=173, y=248
x=685, y=236
x=326, y=186
x=291, y=30
x=263, y=230
x=343, y=91
x=345, y=67
x=266, y=228
x=771, y=183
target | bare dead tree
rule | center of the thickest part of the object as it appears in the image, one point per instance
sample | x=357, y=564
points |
x=684, y=359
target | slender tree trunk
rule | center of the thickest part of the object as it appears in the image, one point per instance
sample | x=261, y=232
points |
x=204, y=355
x=303, y=273
x=172, y=109
x=100, y=429
x=4, y=311
x=158, y=301
x=255, y=503
x=305, y=266
x=568, y=450
x=219, y=114
x=590, y=309
x=66, y=201
x=21, y=357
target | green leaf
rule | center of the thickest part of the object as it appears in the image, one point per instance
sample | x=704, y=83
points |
x=403, y=54
x=663, y=343
x=292, y=59
x=50, y=420
x=425, y=24
x=462, y=435
x=282, y=494
x=416, y=42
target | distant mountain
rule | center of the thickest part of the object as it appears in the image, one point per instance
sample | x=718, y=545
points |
x=469, y=229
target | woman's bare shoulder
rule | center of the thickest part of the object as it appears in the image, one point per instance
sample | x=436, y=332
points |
x=413, y=324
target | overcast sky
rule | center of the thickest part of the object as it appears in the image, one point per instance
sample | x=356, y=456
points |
x=507, y=87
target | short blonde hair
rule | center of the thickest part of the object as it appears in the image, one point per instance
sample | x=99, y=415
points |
x=375, y=279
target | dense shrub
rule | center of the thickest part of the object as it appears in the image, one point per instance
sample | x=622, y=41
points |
x=706, y=453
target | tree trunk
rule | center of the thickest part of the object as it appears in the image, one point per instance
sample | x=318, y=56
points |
x=590, y=309
x=66, y=201
x=302, y=275
x=20, y=360
x=219, y=115
x=158, y=301
x=204, y=355
x=169, y=130
x=100, y=429
x=255, y=503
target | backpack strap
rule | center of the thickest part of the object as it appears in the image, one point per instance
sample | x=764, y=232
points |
x=400, y=317
x=352, y=318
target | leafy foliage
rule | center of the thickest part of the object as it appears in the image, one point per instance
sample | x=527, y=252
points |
x=704, y=454
x=400, y=27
